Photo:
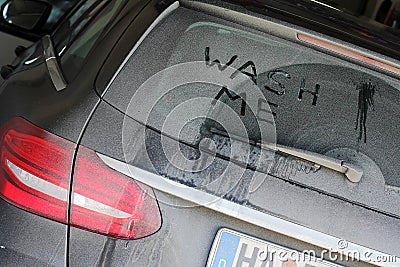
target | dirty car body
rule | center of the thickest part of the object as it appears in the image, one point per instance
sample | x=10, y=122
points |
x=193, y=133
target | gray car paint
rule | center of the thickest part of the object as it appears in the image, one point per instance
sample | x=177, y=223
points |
x=328, y=214
x=170, y=244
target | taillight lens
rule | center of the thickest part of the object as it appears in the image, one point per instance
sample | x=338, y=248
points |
x=35, y=168
x=106, y=201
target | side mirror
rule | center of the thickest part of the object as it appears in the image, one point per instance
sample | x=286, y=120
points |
x=25, y=14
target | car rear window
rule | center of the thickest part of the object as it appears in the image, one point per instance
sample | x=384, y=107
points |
x=312, y=100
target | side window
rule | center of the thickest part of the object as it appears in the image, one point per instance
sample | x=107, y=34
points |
x=85, y=27
x=84, y=7
x=70, y=28
x=33, y=19
x=57, y=13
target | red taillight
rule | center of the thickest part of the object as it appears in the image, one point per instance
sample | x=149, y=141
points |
x=106, y=201
x=35, y=168
x=34, y=176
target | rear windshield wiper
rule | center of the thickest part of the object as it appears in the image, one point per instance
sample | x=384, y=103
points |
x=352, y=172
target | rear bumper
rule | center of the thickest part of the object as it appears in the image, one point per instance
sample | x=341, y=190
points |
x=185, y=239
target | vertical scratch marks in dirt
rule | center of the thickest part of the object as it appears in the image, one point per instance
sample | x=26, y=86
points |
x=365, y=101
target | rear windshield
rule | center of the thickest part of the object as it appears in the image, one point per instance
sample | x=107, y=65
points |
x=309, y=100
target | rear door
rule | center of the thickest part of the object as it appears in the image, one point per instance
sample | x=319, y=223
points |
x=208, y=112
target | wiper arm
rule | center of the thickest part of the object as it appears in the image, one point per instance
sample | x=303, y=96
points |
x=351, y=171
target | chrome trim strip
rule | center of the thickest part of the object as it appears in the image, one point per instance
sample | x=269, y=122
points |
x=52, y=64
x=325, y=5
x=246, y=214
x=163, y=15
x=349, y=52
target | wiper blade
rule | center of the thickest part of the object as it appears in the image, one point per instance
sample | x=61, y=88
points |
x=352, y=172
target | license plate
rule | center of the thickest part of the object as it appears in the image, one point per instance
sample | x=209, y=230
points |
x=234, y=249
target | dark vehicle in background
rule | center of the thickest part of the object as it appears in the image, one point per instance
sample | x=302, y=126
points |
x=32, y=19
x=201, y=133
x=23, y=22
